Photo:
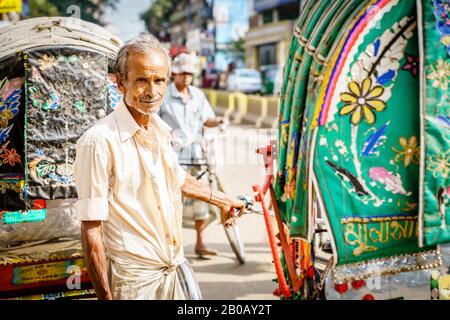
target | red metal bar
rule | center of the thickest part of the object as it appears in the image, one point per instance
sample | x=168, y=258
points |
x=268, y=156
x=273, y=247
x=284, y=244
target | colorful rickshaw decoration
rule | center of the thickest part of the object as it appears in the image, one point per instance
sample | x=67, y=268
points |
x=55, y=81
x=363, y=148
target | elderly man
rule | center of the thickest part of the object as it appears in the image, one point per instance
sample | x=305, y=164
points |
x=130, y=186
x=186, y=110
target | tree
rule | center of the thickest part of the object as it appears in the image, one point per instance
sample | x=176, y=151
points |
x=238, y=45
x=157, y=16
x=43, y=8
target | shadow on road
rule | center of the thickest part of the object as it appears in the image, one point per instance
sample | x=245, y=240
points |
x=239, y=290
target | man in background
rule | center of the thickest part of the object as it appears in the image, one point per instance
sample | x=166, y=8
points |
x=187, y=111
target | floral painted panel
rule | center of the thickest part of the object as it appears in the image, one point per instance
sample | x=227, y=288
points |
x=10, y=98
x=367, y=147
x=324, y=33
x=435, y=122
x=12, y=101
x=67, y=93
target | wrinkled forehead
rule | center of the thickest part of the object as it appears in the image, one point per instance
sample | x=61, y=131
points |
x=153, y=62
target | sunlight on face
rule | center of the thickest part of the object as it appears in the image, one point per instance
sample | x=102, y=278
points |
x=145, y=82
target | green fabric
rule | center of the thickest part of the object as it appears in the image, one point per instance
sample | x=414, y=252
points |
x=294, y=110
x=284, y=182
x=435, y=119
x=367, y=163
x=330, y=21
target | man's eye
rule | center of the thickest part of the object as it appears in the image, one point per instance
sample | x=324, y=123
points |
x=142, y=80
x=160, y=80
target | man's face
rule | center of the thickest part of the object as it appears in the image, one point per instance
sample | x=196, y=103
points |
x=182, y=80
x=145, y=82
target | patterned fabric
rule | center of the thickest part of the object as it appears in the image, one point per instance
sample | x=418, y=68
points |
x=367, y=150
x=292, y=107
x=12, y=98
x=67, y=92
x=435, y=122
x=349, y=136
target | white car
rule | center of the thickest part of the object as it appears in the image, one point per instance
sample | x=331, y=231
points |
x=244, y=80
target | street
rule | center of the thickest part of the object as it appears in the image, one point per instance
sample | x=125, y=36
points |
x=222, y=277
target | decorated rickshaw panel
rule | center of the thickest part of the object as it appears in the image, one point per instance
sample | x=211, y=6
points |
x=12, y=110
x=435, y=121
x=67, y=93
x=291, y=120
x=302, y=220
x=367, y=147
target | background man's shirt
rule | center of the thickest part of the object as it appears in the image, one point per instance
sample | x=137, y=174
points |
x=186, y=121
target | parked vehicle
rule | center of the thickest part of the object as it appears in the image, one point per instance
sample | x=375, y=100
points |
x=271, y=79
x=210, y=78
x=244, y=80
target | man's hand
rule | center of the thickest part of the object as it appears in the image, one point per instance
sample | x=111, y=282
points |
x=217, y=121
x=192, y=188
x=230, y=211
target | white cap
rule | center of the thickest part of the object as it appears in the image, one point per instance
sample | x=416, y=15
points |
x=184, y=63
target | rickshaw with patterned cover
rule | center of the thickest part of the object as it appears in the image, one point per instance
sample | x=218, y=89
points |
x=56, y=80
x=362, y=150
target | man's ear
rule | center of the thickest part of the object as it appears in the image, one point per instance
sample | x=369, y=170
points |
x=120, y=82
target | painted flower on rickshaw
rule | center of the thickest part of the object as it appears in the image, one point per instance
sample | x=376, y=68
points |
x=412, y=65
x=439, y=164
x=439, y=73
x=47, y=61
x=410, y=151
x=10, y=157
x=362, y=102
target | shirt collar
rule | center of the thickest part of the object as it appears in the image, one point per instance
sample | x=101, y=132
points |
x=128, y=126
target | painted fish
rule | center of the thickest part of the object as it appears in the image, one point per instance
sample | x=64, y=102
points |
x=360, y=191
x=391, y=182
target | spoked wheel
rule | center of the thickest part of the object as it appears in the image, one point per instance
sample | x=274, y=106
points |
x=233, y=233
x=234, y=237
x=188, y=282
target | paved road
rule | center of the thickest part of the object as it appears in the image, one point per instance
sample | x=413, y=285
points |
x=222, y=277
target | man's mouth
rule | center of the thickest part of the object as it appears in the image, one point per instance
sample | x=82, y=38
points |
x=149, y=101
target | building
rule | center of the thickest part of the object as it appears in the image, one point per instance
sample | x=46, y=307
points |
x=211, y=29
x=270, y=33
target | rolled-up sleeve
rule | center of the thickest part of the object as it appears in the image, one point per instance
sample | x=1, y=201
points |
x=92, y=175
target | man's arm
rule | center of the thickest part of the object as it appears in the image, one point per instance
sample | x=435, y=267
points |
x=95, y=258
x=92, y=172
x=209, y=119
x=214, y=122
x=193, y=188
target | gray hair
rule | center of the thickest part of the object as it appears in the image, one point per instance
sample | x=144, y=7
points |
x=144, y=43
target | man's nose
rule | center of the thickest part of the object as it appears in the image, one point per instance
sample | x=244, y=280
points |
x=151, y=89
